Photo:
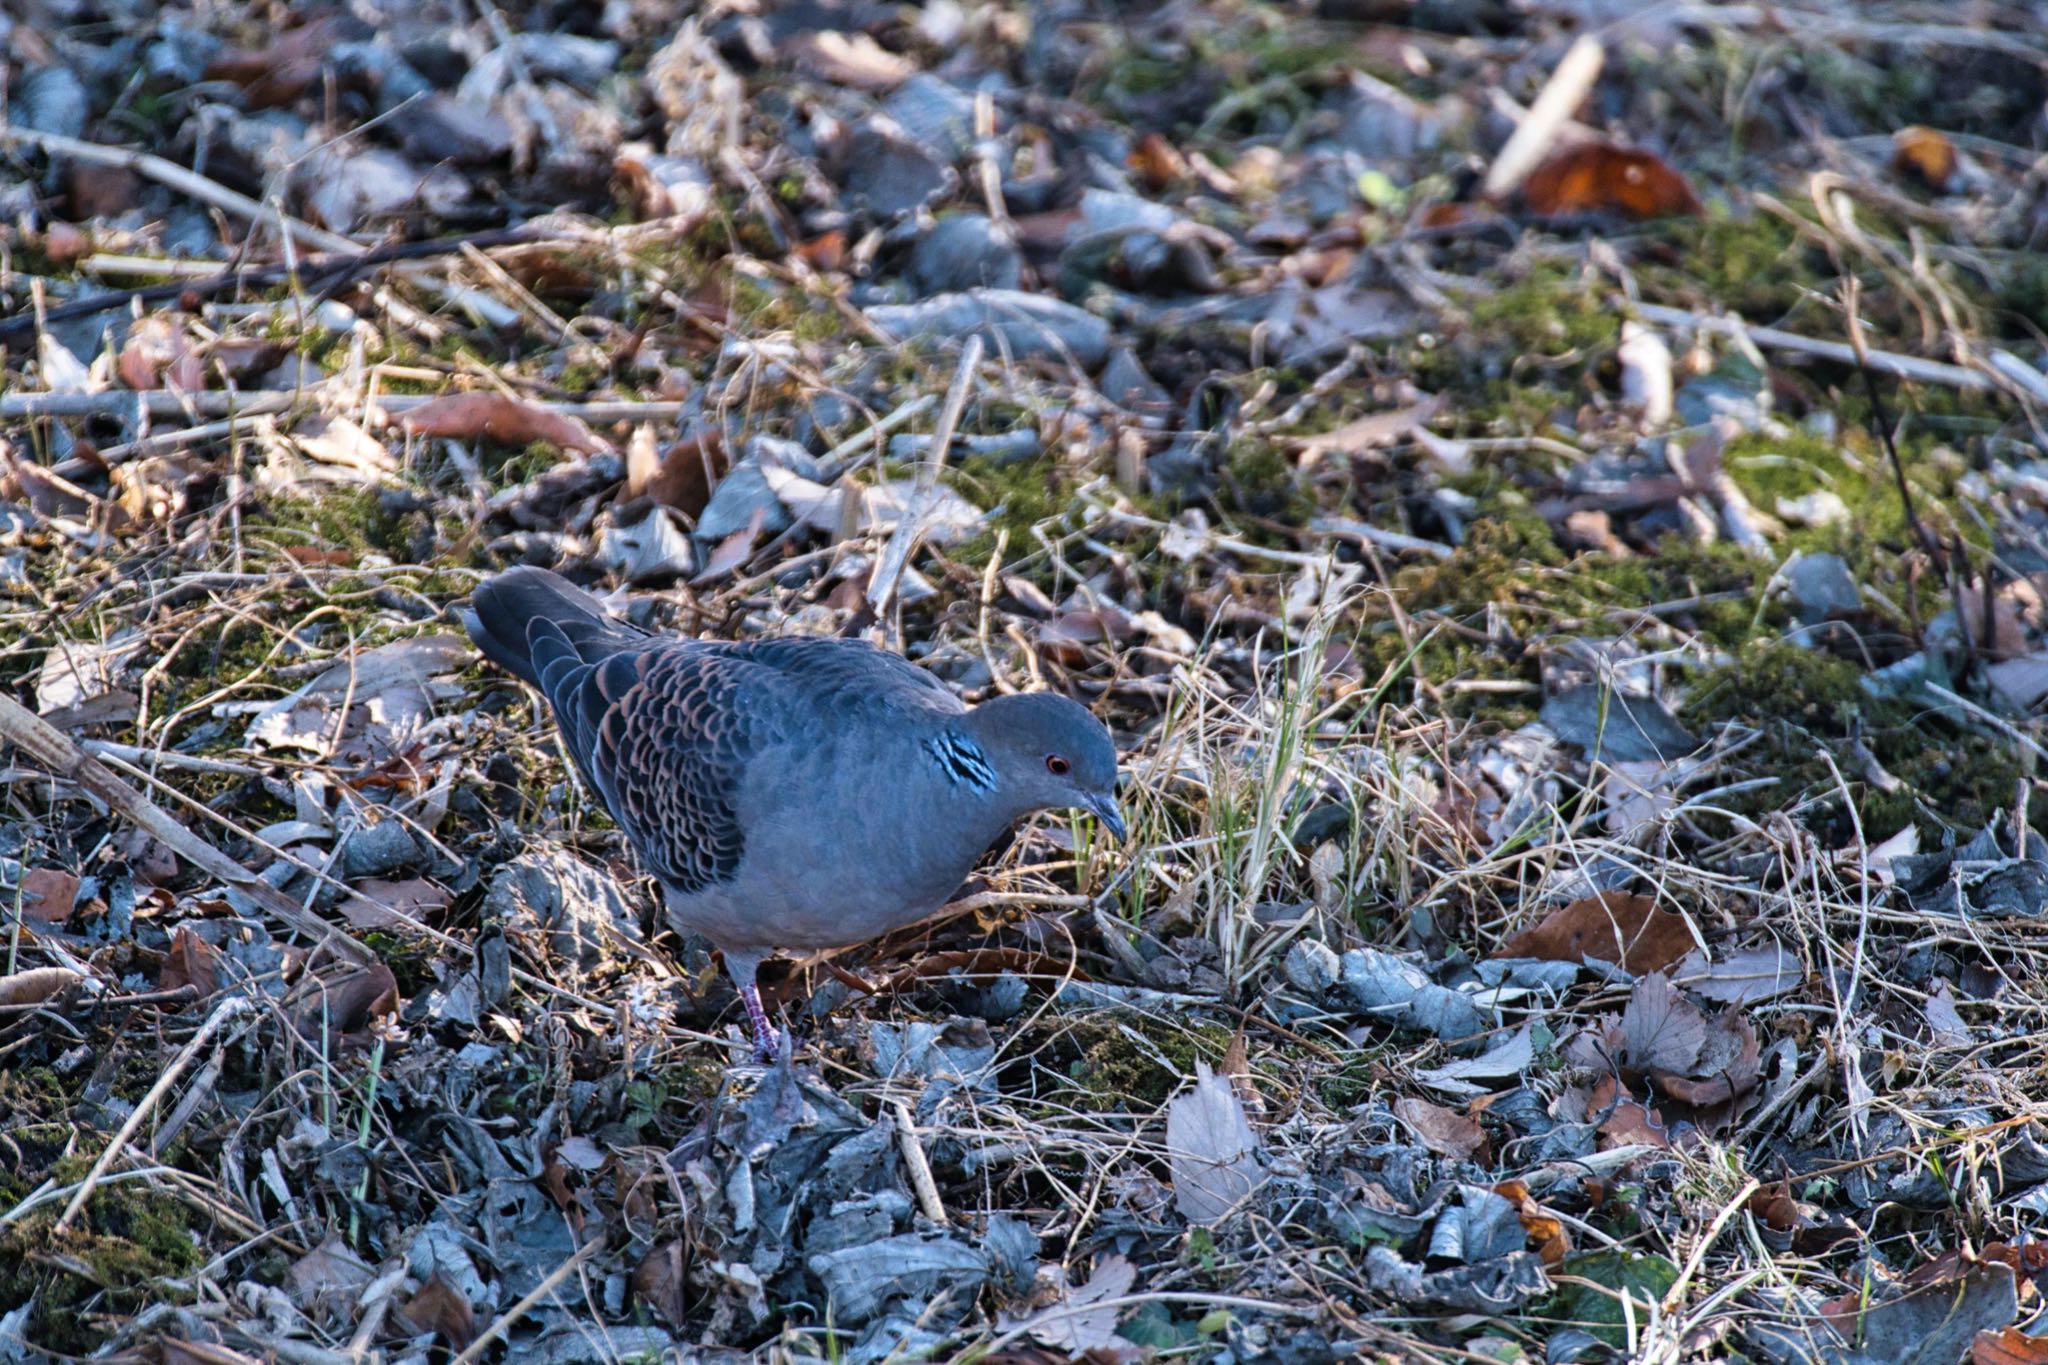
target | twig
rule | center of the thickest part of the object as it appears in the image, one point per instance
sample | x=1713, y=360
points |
x=186, y=182
x=159, y=403
x=325, y=273
x=919, y=1165
x=1881, y=420
x=232, y=1007
x=55, y=753
x=1890, y=362
x=1346, y=528
x=903, y=543
x=1561, y=94
x=835, y=461
x=475, y=1350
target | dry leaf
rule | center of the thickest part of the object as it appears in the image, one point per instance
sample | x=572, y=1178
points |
x=36, y=985
x=191, y=961
x=685, y=473
x=1607, y=177
x=343, y=1003
x=1741, y=978
x=412, y=899
x=2008, y=1346
x=508, y=421
x=661, y=1281
x=852, y=59
x=442, y=1309
x=1212, y=1152
x=1612, y=926
x=1928, y=157
x=48, y=895
x=1546, y=1233
x=1156, y=162
x=1444, y=1131
x=1071, y=1325
x=159, y=355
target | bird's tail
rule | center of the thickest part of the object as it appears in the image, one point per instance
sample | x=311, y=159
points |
x=505, y=610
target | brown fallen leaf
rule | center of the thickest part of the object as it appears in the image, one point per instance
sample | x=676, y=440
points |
x=442, y=1309
x=36, y=985
x=1156, y=162
x=2008, y=1346
x=1629, y=1122
x=158, y=354
x=661, y=1282
x=1608, y=177
x=682, y=476
x=506, y=420
x=1927, y=156
x=280, y=73
x=852, y=59
x=338, y=1007
x=1444, y=1131
x=1546, y=1232
x=1612, y=926
x=191, y=961
x=48, y=894
x=409, y=901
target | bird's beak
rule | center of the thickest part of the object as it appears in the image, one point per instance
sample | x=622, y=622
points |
x=1103, y=807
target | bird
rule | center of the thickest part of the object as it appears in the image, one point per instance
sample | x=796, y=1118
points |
x=793, y=793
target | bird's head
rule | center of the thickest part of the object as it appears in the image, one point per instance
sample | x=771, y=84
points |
x=1051, y=754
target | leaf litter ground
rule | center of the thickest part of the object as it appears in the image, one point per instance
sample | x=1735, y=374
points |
x=1553, y=514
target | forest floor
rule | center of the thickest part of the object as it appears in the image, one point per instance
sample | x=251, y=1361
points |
x=1550, y=500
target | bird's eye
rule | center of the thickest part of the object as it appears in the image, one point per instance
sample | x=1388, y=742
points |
x=1056, y=765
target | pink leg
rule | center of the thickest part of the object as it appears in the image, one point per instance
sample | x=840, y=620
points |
x=741, y=967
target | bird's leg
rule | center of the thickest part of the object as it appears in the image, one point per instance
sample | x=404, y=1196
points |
x=742, y=967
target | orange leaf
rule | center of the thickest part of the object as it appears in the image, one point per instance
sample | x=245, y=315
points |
x=1607, y=177
x=1156, y=162
x=509, y=421
x=1927, y=156
x=2008, y=1346
x=1610, y=927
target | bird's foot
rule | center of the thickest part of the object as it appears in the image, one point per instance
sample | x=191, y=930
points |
x=767, y=1042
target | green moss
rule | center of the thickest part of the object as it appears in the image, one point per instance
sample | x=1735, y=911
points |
x=114, y=1261
x=1019, y=493
x=1807, y=704
x=1757, y=265
x=1118, y=1075
x=1550, y=311
x=1260, y=481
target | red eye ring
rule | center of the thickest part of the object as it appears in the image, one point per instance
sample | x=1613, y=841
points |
x=1056, y=765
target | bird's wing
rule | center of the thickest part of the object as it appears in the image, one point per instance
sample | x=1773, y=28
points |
x=664, y=735
x=847, y=675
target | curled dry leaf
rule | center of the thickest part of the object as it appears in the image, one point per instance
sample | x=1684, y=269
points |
x=1612, y=926
x=1547, y=1233
x=343, y=1003
x=442, y=1309
x=661, y=1281
x=1444, y=1131
x=508, y=421
x=48, y=894
x=852, y=59
x=1927, y=155
x=36, y=985
x=191, y=962
x=159, y=355
x=1607, y=177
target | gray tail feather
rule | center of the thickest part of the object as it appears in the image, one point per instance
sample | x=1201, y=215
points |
x=505, y=609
